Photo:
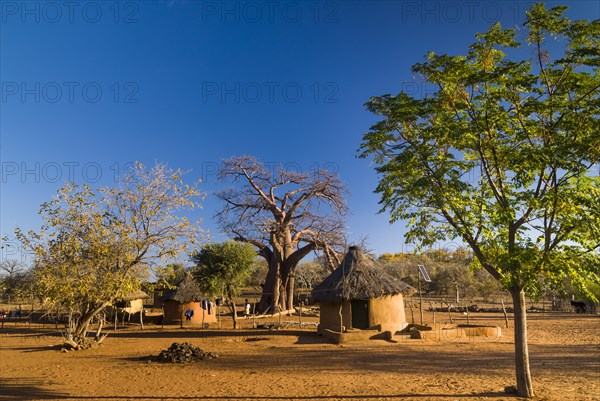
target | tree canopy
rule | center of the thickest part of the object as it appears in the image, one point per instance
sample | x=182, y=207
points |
x=167, y=277
x=224, y=268
x=502, y=156
x=285, y=215
x=96, y=245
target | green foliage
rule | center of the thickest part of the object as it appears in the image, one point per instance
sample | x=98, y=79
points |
x=502, y=155
x=594, y=289
x=449, y=271
x=309, y=274
x=225, y=266
x=167, y=277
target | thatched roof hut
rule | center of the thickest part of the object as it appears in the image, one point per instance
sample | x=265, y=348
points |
x=187, y=291
x=360, y=295
x=187, y=297
x=131, y=303
x=139, y=294
x=357, y=277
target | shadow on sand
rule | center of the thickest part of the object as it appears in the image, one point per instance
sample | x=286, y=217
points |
x=26, y=389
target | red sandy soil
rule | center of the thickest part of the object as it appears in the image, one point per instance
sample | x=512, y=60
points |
x=299, y=365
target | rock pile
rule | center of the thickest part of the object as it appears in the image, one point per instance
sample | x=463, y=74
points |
x=183, y=353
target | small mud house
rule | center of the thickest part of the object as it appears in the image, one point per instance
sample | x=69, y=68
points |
x=130, y=305
x=358, y=295
x=185, y=298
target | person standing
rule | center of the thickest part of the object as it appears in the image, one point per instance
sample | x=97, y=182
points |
x=246, y=308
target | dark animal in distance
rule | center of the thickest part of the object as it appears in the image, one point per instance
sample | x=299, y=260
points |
x=579, y=306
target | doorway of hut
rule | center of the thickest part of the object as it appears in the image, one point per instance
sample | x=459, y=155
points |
x=360, y=313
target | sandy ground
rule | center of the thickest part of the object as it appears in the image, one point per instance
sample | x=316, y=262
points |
x=299, y=365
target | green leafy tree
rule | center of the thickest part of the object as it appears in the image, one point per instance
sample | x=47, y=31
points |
x=95, y=246
x=224, y=268
x=451, y=278
x=501, y=156
x=167, y=277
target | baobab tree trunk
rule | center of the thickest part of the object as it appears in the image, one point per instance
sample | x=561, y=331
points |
x=524, y=383
x=266, y=300
x=278, y=290
x=283, y=288
x=273, y=296
x=280, y=281
x=277, y=261
x=290, y=289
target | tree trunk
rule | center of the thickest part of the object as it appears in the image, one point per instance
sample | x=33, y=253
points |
x=78, y=326
x=524, y=383
x=81, y=327
x=290, y=291
x=233, y=313
x=279, y=285
x=99, y=331
x=286, y=292
x=282, y=296
x=266, y=299
x=283, y=292
x=274, y=291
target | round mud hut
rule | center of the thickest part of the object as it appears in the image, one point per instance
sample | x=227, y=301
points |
x=358, y=295
x=184, y=305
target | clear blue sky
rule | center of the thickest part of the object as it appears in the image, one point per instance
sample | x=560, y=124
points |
x=89, y=86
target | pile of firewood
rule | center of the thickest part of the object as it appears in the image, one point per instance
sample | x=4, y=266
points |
x=183, y=353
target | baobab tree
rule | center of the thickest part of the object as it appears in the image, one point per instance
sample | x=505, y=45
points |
x=285, y=215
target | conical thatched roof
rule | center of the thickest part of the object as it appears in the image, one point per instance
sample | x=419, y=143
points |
x=358, y=278
x=187, y=291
